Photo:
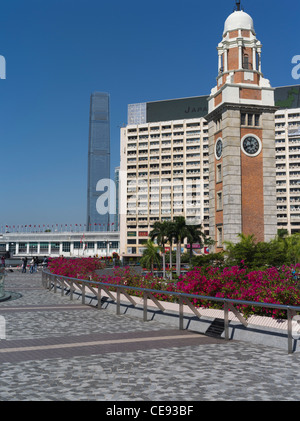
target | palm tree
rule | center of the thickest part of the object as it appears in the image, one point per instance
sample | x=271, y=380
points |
x=180, y=233
x=195, y=235
x=159, y=232
x=288, y=245
x=244, y=250
x=150, y=256
x=293, y=248
x=170, y=237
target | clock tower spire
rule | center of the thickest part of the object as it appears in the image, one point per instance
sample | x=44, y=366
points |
x=238, y=5
x=241, y=138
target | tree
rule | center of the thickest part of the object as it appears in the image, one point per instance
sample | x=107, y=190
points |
x=262, y=254
x=159, y=232
x=244, y=251
x=293, y=248
x=212, y=259
x=150, y=256
x=195, y=235
x=180, y=233
x=170, y=236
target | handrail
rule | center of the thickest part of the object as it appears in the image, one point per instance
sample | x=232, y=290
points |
x=183, y=298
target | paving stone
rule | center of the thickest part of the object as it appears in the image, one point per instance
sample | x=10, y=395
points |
x=220, y=371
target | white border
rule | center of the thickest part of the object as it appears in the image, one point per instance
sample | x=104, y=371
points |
x=218, y=158
x=259, y=141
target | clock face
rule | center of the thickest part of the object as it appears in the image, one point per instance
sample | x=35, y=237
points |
x=251, y=145
x=219, y=148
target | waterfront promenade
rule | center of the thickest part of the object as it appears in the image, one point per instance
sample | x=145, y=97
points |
x=56, y=349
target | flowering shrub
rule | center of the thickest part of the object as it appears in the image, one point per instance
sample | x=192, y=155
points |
x=80, y=268
x=273, y=285
x=125, y=276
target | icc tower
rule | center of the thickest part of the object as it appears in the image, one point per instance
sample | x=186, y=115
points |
x=241, y=125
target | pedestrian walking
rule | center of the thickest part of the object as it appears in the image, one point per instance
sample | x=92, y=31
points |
x=2, y=261
x=24, y=264
x=36, y=262
x=32, y=262
x=45, y=262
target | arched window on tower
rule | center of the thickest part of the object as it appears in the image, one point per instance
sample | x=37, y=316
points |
x=221, y=69
x=246, y=62
x=257, y=61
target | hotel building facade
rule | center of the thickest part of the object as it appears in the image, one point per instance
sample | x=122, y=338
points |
x=287, y=146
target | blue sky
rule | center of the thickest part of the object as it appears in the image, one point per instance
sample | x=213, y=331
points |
x=59, y=51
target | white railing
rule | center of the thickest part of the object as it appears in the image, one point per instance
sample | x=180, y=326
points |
x=52, y=281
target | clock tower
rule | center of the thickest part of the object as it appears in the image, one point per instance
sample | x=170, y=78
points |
x=241, y=139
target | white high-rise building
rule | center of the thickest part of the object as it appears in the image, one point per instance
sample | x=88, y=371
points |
x=287, y=144
x=163, y=174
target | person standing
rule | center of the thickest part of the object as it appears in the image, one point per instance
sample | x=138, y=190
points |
x=45, y=262
x=24, y=264
x=3, y=261
x=32, y=265
x=36, y=261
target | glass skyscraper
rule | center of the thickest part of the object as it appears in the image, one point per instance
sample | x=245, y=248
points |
x=98, y=159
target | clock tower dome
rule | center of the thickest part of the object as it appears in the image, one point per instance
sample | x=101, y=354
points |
x=241, y=126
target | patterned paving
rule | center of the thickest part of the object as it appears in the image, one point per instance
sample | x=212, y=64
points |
x=57, y=349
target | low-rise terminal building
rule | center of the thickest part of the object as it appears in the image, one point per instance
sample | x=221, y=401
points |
x=54, y=244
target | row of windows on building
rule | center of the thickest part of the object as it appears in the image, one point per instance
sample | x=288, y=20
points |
x=290, y=115
x=248, y=119
x=55, y=247
x=165, y=127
